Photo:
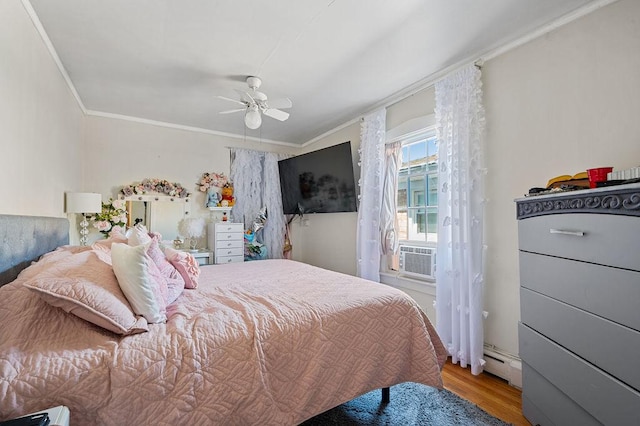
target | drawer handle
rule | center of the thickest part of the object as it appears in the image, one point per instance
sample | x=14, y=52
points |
x=563, y=232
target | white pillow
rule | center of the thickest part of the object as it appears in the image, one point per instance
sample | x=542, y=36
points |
x=131, y=266
x=138, y=235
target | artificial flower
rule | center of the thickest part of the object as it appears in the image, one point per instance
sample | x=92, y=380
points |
x=112, y=216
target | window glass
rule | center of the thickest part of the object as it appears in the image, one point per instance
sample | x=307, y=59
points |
x=417, y=197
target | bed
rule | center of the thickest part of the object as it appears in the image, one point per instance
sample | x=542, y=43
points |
x=269, y=342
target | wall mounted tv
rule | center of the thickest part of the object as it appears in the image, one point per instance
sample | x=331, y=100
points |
x=319, y=182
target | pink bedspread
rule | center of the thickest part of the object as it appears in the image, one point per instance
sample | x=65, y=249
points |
x=271, y=342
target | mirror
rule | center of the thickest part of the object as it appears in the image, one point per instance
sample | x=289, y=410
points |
x=159, y=213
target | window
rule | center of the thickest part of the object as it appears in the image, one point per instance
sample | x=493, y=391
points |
x=417, y=197
x=417, y=203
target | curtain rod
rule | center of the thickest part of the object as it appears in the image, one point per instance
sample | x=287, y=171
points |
x=248, y=149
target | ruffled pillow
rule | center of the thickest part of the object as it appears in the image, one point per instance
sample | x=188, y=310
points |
x=140, y=281
x=186, y=264
x=175, y=282
x=83, y=285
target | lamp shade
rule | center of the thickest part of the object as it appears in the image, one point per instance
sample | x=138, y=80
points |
x=83, y=202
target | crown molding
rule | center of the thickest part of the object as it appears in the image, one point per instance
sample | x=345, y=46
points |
x=186, y=128
x=478, y=59
x=52, y=51
x=388, y=101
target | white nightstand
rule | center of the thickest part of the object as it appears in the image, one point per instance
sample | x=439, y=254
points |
x=203, y=257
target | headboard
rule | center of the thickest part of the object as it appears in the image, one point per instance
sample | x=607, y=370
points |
x=24, y=239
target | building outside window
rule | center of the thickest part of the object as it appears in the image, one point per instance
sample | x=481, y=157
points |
x=417, y=203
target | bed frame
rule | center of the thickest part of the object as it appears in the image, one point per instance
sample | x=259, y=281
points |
x=24, y=239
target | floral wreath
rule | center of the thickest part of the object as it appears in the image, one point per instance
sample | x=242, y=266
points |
x=155, y=185
x=212, y=180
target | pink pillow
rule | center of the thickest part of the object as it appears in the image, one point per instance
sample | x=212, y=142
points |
x=186, y=264
x=102, y=248
x=175, y=282
x=85, y=286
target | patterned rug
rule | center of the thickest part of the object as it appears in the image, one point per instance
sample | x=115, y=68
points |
x=411, y=404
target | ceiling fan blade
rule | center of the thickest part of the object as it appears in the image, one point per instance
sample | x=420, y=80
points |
x=276, y=113
x=280, y=103
x=246, y=97
x=232, y=110
x=232, y=100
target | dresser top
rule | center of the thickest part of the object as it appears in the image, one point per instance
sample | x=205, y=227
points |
x=619, y=199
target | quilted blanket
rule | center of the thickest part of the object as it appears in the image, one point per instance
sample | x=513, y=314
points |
x=270, y=342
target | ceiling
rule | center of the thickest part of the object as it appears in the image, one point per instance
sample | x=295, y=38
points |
x=167, y=60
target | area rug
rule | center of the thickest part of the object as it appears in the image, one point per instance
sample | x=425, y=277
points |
x=411, y=404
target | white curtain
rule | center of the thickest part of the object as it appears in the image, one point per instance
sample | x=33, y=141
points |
x=368, y=238
x=460, y=250
x=389, y=219
x=256, y=184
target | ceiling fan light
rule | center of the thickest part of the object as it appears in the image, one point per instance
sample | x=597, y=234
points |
x=252, y=119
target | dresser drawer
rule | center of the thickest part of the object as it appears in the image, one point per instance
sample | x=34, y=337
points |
x=229, y=243
x=603, y=239
x=605, y=291
x=234, y=251
x=601, y=342
x=229, y=259
x=230, y=227
x=229, y=236
x=604, y=397
x=544, y=404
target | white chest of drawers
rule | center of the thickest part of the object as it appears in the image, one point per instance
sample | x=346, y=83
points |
x=580, y=306
x=226, y=241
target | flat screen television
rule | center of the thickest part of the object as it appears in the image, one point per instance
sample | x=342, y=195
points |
x=319, y=182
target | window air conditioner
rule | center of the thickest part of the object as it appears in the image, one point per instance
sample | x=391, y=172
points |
x=418, y=261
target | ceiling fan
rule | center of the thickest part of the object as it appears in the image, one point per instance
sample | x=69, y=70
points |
x=256, y=103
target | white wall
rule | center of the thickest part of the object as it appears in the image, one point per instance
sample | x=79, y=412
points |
x=328, y=240
x=565, y=102
x=121, y=152
x=41, y=124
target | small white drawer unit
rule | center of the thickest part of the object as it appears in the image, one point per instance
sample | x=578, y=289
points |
x=226, y=241
x=203, y=257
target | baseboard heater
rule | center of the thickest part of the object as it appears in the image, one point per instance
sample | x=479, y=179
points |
x=503, y=365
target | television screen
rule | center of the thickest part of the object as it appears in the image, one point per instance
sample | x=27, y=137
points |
x=319, y=182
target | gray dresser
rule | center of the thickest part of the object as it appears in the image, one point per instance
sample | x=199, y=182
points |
x=580, y=306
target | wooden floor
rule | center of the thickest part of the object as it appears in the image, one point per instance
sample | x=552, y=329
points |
x=493, y=394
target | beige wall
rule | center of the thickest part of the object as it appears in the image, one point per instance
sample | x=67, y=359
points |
x=121, y=152
x=41, y=125
x=328, y=240
x=565, y=102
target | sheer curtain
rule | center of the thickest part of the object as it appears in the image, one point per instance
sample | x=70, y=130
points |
x=389, y=219
x=256, y=184
x=459, y=275
x=368, y=238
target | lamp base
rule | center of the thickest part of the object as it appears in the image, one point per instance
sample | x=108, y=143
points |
x=84, y=231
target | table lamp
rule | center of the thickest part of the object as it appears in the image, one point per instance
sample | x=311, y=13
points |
x=84, y=203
